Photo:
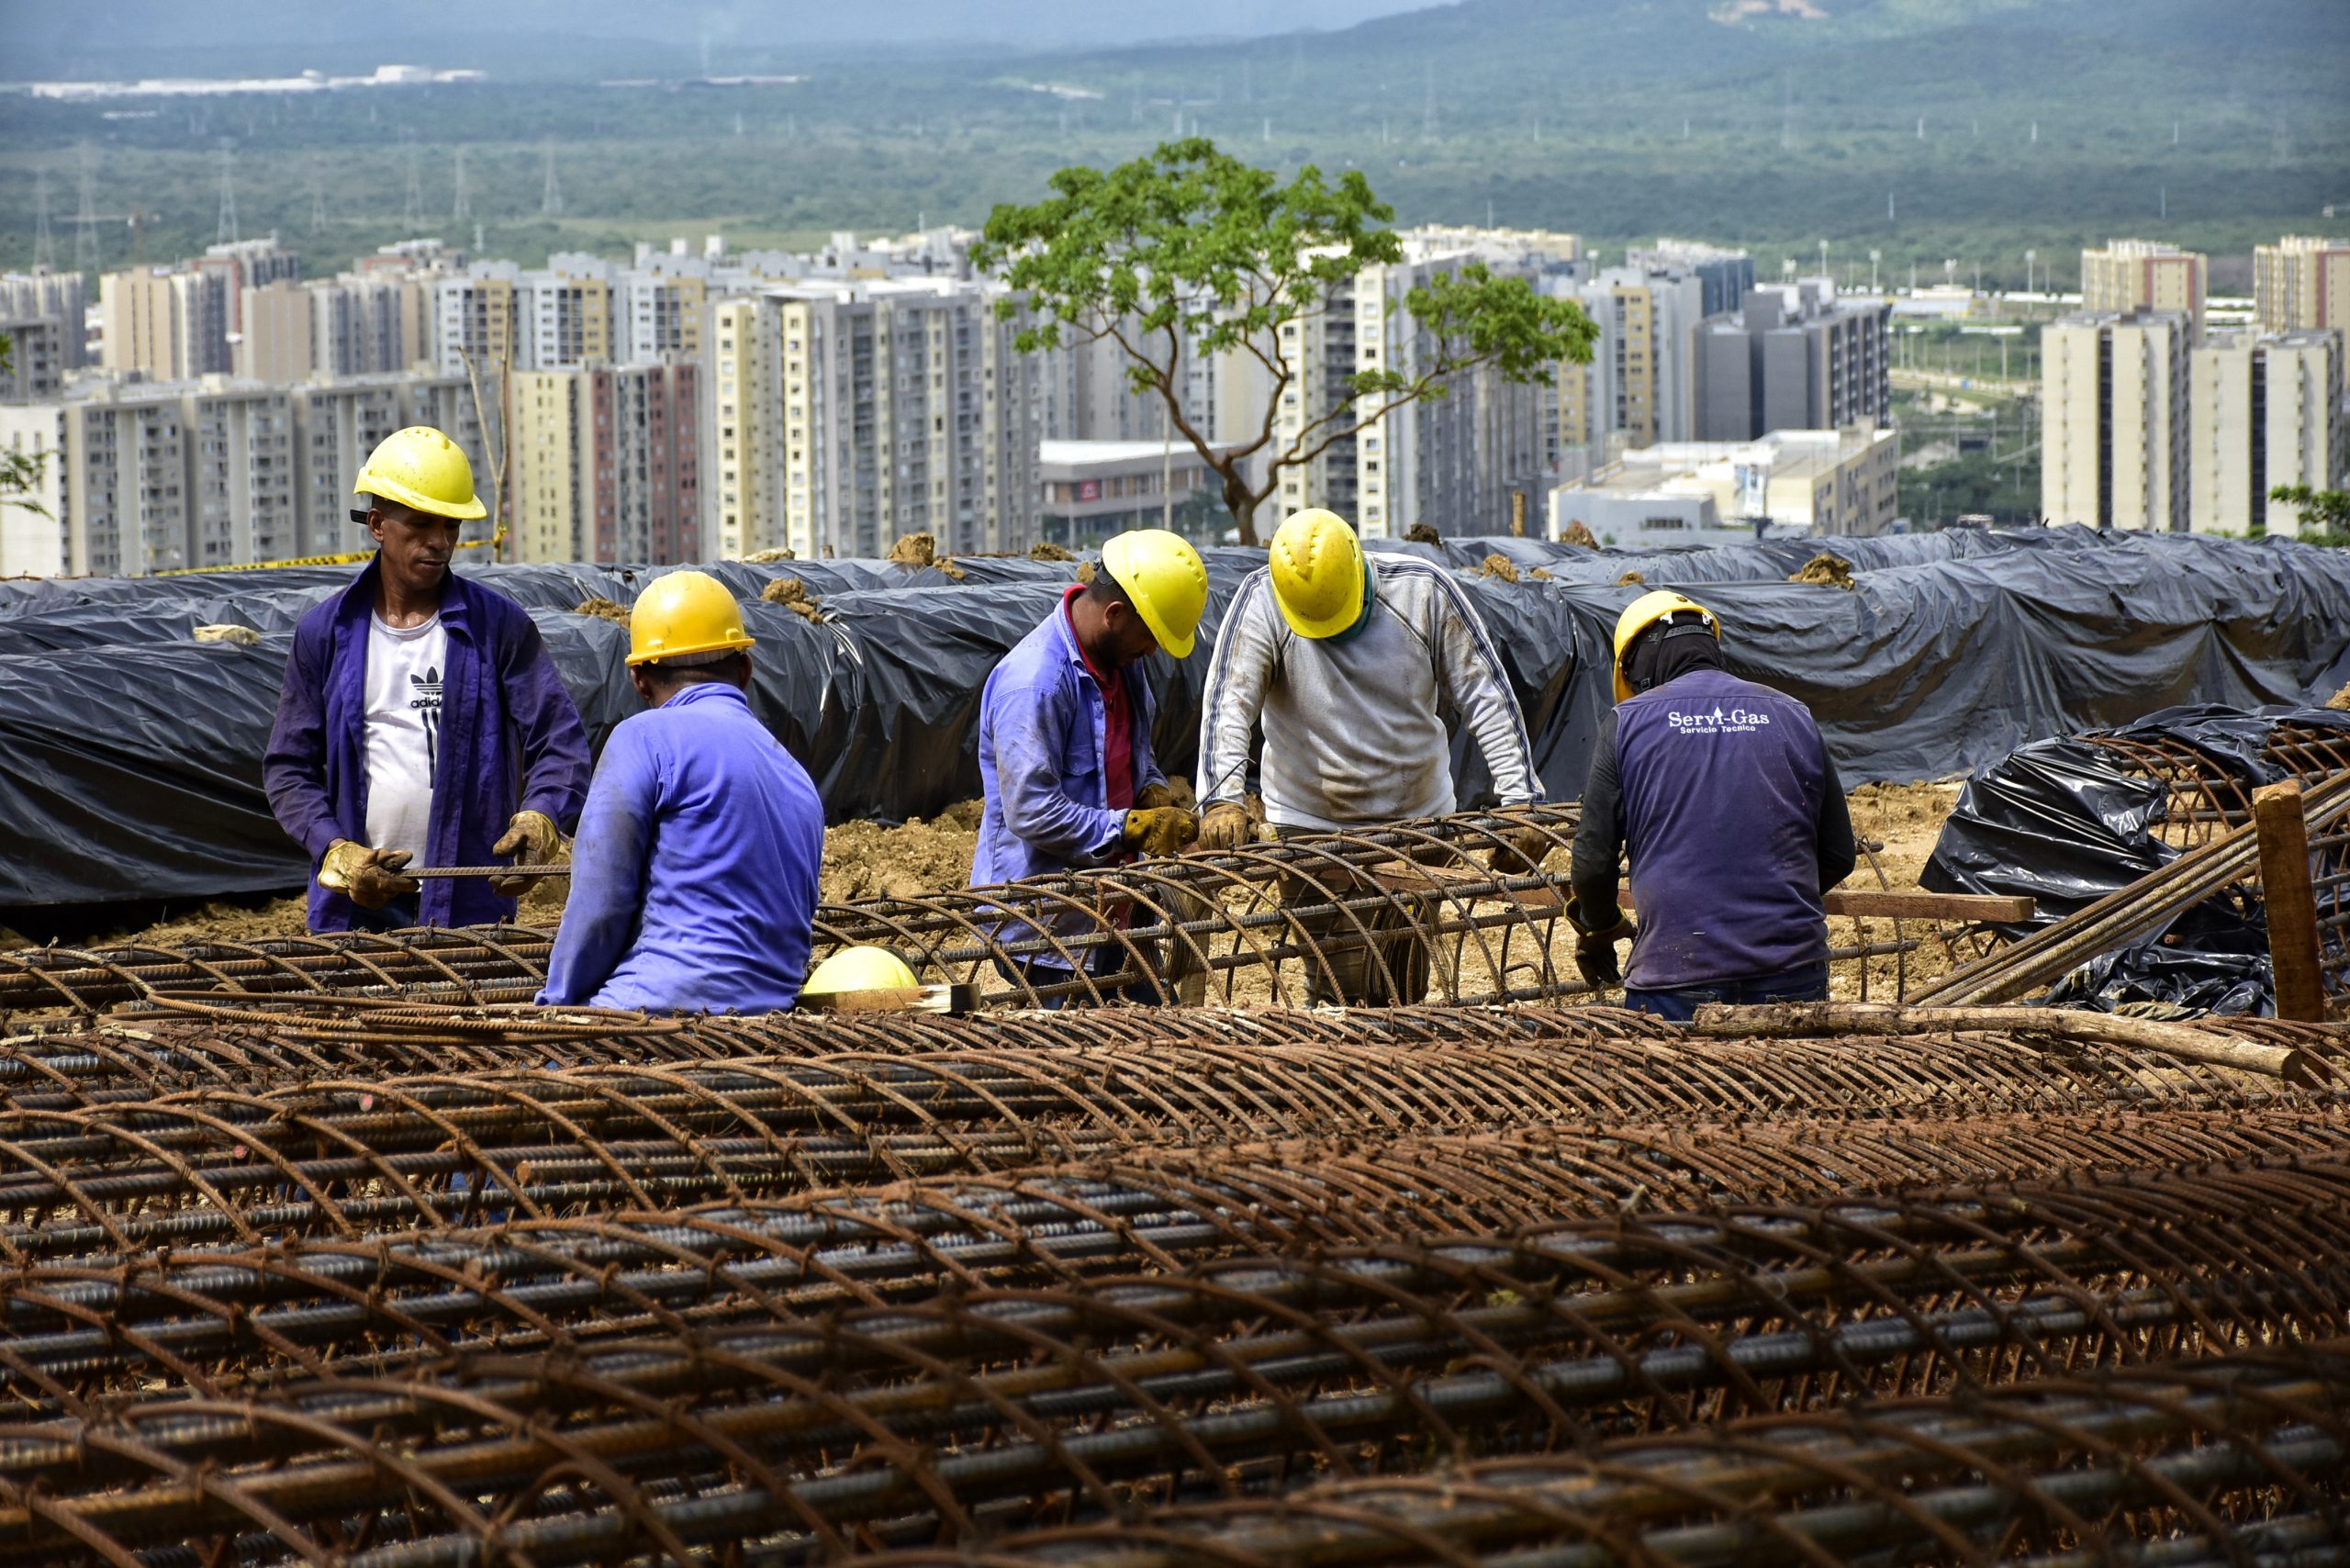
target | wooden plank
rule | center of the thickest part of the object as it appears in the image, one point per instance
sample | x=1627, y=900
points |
x=1910, y=903
x=2291, y=902
x=1410, y=876
x=953, y=999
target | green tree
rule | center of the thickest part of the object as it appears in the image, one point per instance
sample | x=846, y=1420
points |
x=1190, y=251
x=2325, y=514
x=20, y=471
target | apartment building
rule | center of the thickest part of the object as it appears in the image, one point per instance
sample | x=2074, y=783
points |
x=2301, y=282
x=844, y=415
x=2114, y=425
x=1793, y=356
x=61, y=297
x=243, y=484
x=36, y=357
x=479, y=319
x=607, y=465
x=2265, y=410
x=1724, y=277
x=277, y=343
x=165, y=324
x=1639, y=387
x=336, y=424
x=2146, y=275
x=243, y=265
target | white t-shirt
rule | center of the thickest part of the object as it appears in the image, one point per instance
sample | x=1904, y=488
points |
x=404, y=669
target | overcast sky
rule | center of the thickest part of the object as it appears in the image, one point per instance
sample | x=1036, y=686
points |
x=176, y=23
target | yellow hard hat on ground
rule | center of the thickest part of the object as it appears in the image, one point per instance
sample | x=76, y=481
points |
x=683, y=615
x=1164, y=579
x=422, y=468
x=858, y=969
x=1319, y=578
x=1644, y=612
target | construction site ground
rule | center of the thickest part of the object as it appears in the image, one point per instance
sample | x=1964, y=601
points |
x=865, y=859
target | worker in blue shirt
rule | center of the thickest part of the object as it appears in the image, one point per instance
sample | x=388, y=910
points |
x=1066, y=765
x=694, y=874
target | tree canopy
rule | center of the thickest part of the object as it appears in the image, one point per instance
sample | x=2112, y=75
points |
x=1190, y=253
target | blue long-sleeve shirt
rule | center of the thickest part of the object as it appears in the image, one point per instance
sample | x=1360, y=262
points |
x=510, y=740
x=1043, y=766
x=693, y=881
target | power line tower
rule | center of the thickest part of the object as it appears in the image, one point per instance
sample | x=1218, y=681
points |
x=464, y=206
x=412, y=208
x=228, y=235
x=85, y=233
x=550, y=202
x=318, y=194
x=44, y=242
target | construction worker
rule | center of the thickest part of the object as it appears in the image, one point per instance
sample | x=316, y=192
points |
x=1066, y=761
x=693, y=882
x=1344, y=663
x=421, y=717
x=1729, y=806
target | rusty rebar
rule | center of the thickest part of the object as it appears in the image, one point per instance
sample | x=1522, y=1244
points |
x=926, y=1419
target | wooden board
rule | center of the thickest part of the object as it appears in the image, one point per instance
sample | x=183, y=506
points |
x=954, y=1000
x=1910, y=904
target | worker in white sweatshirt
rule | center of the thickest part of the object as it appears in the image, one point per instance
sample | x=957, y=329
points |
x=1344, y=663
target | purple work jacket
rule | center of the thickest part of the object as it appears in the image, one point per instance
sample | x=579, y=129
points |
x=511, y=740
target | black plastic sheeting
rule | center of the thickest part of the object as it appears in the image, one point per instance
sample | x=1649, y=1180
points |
x=130, y=758
x=2067, y=822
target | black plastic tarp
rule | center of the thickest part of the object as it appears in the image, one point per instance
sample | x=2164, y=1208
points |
x=130, y=759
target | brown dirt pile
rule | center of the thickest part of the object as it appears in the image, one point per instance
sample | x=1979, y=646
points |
x=1829, y=571
x=1045, y=550
x=867, y=860
x=1422, y=533
x=1576, y=533
x=602, y=608
x=792, y=594
x=1631, y=580
x=922, y=550
x=1499, y=566
x=1907, y=819
x=2340, y=700
x=768, y=558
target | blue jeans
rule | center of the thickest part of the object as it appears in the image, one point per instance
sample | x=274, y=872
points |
x=400, y=915
x=1808, y=983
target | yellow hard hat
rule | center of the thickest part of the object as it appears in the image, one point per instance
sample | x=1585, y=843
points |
x=683, y=613
x=1164, y=579
x=1319, y=578
x=422, y=468
x=1644, y=612
x=858, y=969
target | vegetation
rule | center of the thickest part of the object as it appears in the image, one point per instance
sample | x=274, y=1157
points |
x=2325, y=514
x=20, y=471
x=1190, y=252
x=1976, y=483
x=1611, y=120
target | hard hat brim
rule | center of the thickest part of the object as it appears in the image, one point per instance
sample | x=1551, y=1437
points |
x=720, y=645
x=393, y=490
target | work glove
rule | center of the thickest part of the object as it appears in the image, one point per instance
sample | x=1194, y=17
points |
x=1521, y=852
x=368, y=878
x=533, y=839
x=1226, y=826
x=1160, y=830
x=1595, y=948
x=1163, y=793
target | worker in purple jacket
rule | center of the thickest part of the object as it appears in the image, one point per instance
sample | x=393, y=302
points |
x=1722, y=796
x=421, y=717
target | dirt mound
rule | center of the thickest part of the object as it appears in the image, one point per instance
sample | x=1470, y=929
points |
x=768, y=558
x=2340, y=700
x=1905, y=819
x=868, y=860
x=1829, y=571
x=1576, y=533
x=1421, y=533
x=792, y=594
x=1499, y=566
x=1045, y=550
x=229, y=922
x=602, y=608
x=241, y=636
x=922, y=550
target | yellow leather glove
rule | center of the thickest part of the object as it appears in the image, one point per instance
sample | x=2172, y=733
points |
x=1154, y=795
x=1226, y=826
x=533, y=839
x=368, y=878
x=1160, y=830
